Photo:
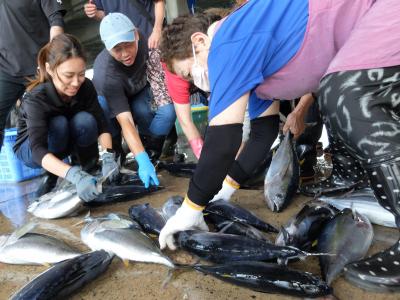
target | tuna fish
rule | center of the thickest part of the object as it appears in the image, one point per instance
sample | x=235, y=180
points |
x=348, y=236
x=364, y=202
x=178, y=169
x=66, y=277
x=122, y=239
x=23, y=247
x=282, y=179
x=58, y=204
x=128, y=191
x=149, y=219
x=221, y=247
x=378, y=273
x=268, y=278
x=302, y=230
x=171, y=206
x=234, y=212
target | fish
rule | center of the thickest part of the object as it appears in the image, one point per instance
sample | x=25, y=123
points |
x=364, y=202
x=58, y=204
x=65, y=278
x=179, y=169
x=27, y=248
x=122, y=239
x=112, y=193
x=268, y=278
x=303, y=229
x=149, y=218
x=282, y=179
x=348, y=236
x=223, y=225
x=234, y=212
x=377, y=273
x=220, y=247
x=170, y=207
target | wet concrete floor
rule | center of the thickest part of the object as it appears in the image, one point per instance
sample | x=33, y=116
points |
x=145, y=281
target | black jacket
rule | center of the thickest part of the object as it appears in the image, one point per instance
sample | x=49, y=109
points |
x=43, y=103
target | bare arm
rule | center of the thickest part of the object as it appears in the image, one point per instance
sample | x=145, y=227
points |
x=184, y=115
x=55, y=30
x=54, y=165
x=105, y=140
x=130, y=133
x=295, y=120
x=159, y=11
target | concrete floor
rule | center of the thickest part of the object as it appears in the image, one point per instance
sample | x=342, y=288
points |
x=145, y=281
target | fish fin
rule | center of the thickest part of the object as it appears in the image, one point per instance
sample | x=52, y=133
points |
x=175, y=272
x=20, y=232
x=126, y=262
x=226, y=227
x=286, y=236
x=282, y=261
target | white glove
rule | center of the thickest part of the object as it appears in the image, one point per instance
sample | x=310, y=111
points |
x=187, y=217
x=227, y=190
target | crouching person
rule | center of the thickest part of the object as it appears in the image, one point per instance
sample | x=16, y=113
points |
x=60, y=115
x=131, y=93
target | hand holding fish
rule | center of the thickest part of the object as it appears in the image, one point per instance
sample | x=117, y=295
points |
x=109, y=166
x=295, y=123
x=86, y=184
x=188, y=216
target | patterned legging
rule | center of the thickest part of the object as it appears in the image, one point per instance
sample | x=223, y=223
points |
x=362, y=108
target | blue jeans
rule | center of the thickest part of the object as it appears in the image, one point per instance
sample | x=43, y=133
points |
x=156, y=122
x=80, y=130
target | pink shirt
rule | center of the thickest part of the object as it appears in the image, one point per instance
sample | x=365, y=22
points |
x=341, y=35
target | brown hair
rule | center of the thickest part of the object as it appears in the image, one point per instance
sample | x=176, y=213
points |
x=175, y=40
x=61, y=48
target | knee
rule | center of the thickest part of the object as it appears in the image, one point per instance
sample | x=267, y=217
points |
x=58, y=126
x=167, y=113
x=84, y=129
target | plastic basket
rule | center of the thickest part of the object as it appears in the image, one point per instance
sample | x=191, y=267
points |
x=11, y=168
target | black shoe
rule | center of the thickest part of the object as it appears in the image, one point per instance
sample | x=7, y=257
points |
x=48, y=183
x=86, y=157
x=347, y=174
x=153, y=146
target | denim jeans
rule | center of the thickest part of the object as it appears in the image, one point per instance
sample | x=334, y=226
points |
x=11, y=89
x=156, y=122
x=80, y=130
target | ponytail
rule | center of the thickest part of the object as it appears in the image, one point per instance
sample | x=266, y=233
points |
x=61, y=48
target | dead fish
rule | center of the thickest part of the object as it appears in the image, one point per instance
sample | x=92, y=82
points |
x=234, y=212
x=122, y=239
x=171, y=206
x=220, y=247
x=348, y=236
x=268, y=278
x=58, y=204
x=149, y=219
x=377, y=273
x=178, y=169
x=23, y=247
x=66, y=277
x=282, y=179
x=223, y=225
x=112, y=193
x=303, y=229
x=364, y=202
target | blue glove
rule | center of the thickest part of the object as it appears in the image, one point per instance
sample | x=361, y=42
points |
x=109, y=165
x=84, y=182
x=146, y=171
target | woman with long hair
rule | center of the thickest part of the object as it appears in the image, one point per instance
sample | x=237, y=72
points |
x=60, y=115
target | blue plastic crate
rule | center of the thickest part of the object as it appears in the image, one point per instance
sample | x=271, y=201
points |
x=11, y=168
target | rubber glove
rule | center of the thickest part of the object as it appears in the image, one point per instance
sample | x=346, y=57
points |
x=196, y=145
x=84, y=182
x=229, y=187
x=109, y=165
x=147, y=172
x=188, y=216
